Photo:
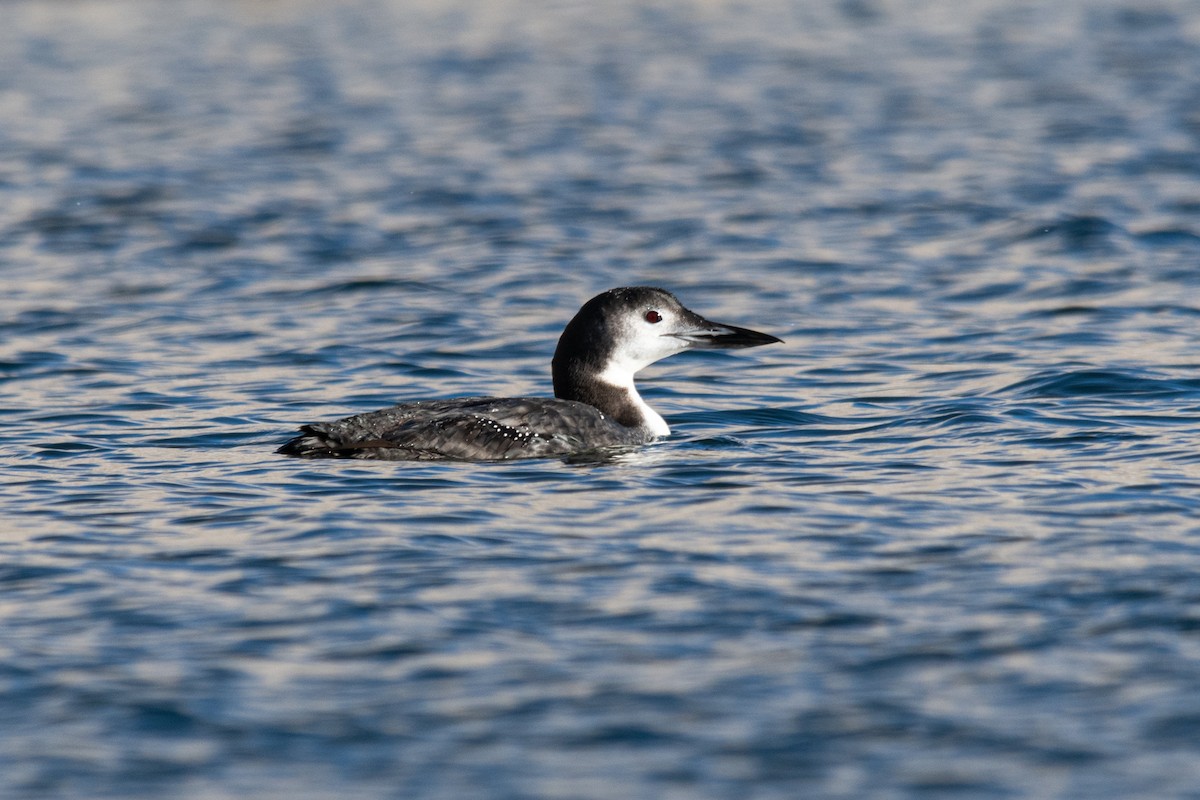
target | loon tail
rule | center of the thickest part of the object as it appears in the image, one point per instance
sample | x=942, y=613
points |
x=311, y=443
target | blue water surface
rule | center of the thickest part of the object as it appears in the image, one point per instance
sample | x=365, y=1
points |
x=942, y=543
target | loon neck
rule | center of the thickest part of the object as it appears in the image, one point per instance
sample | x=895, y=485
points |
x=612, y=392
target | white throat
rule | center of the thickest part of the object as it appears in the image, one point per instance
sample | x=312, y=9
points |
x=620, y=376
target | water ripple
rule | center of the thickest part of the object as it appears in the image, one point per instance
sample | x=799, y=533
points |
x=940, y=543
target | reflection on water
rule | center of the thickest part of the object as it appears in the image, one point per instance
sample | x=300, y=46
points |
x=940, y=543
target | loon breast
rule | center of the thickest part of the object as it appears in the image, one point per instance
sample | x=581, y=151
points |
x=474, y=429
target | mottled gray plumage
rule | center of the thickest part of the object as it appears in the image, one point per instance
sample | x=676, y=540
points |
x=468, y=428
x=596, y=404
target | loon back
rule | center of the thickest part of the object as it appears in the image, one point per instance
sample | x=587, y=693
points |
x=596, y=404
x=467, y=429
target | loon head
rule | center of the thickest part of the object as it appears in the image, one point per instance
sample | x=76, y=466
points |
x=619, y=332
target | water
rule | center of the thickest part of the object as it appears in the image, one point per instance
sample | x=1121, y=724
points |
x=941, y=543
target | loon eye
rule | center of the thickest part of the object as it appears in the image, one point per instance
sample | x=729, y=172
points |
x=653, y=316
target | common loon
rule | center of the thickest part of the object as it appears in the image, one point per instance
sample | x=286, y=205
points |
x=595, y=403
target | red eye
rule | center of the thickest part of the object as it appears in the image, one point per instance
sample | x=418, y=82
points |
x=653, y=316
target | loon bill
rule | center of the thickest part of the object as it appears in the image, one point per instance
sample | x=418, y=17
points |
x=595, y=404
